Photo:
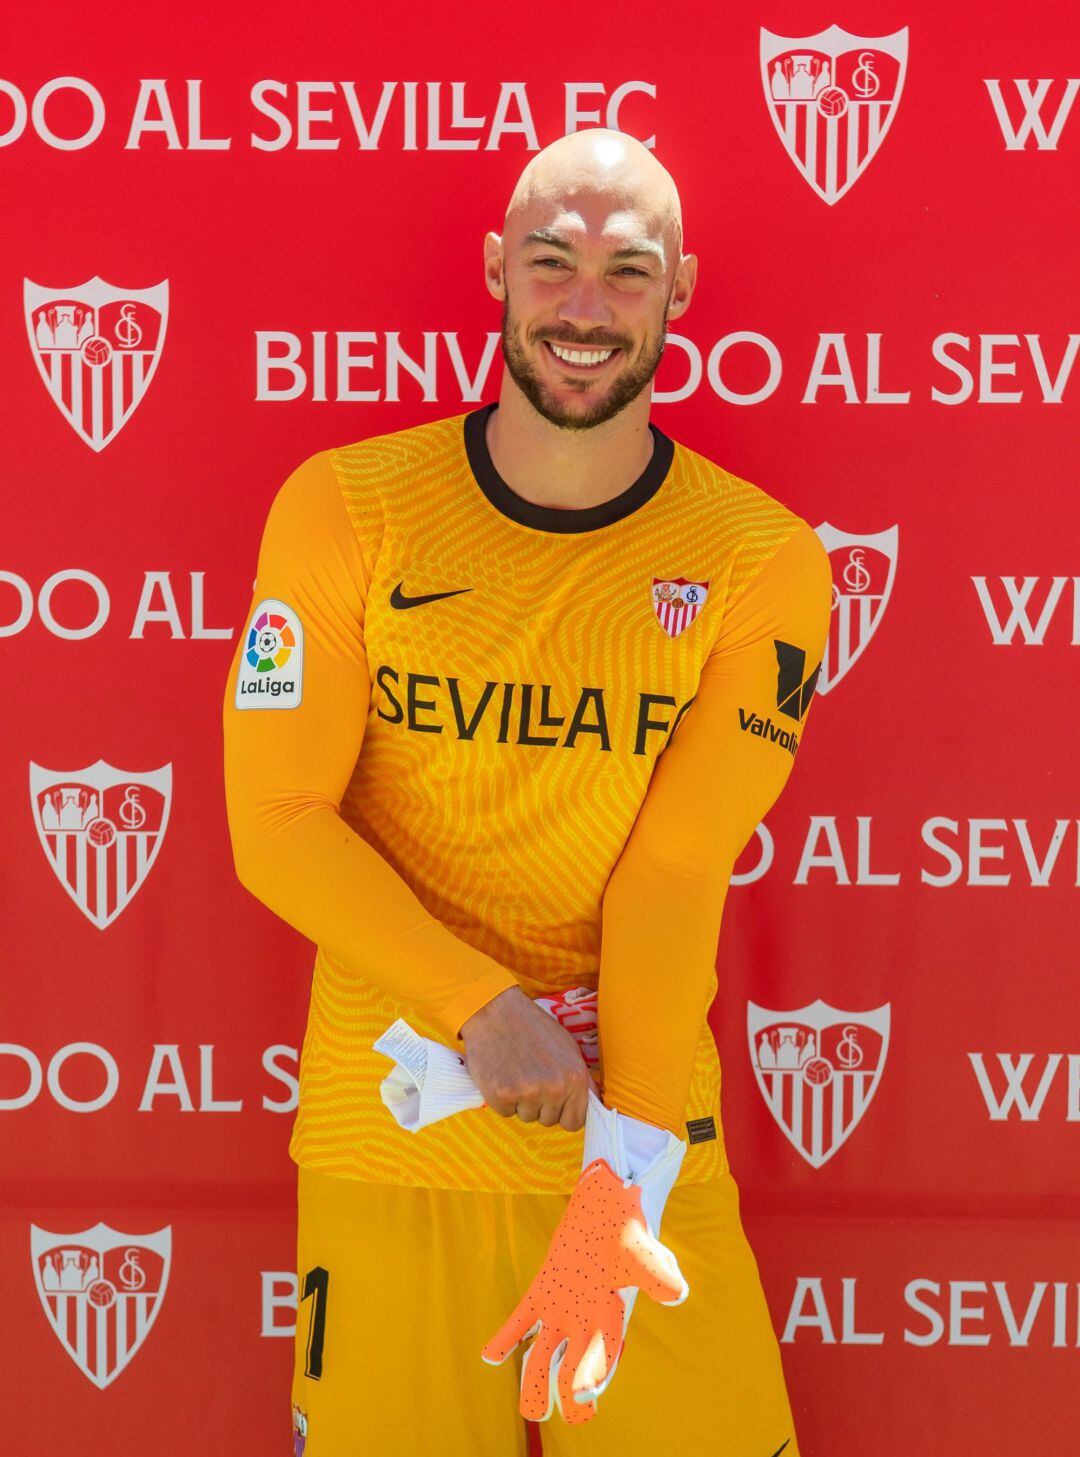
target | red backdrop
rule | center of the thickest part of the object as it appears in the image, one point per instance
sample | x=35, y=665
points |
x=881, y=338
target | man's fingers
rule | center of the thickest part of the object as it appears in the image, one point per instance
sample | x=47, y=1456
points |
x=614, y=1326
x=568, y=1366
x=598, y=1361
x=537, y=1395
x=510, y=1335
x=573, y=1110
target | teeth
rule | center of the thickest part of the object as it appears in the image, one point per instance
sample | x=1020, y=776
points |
x=577, y=356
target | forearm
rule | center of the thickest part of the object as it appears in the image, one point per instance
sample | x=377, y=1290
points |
x=660, y=929
x=327, y=882
x=288, y=760
x=712, y=784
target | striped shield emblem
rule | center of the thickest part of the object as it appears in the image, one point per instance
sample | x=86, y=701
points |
x=832, y=98
x=101, y=829
x=96, y=347
x=817, y=1068
x=101, y=1291
x=863, y=569
x=677, y=601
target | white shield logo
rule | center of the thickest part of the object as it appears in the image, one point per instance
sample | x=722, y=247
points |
x=96, y=348
x=101, y=829
x=832, y=98
x=677, y=601
x=863, y=569
x=817, y=1069
x=101, y=1291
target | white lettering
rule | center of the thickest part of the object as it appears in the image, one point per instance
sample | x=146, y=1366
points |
x=166, y=1055
x=83, y=1049
x=207, y=1102
x=279, y=1293
x=45, y=596
x=829, y=859
x=33, y=1082
x=270, y=1061
x=1015, y=1069
x=809, y=1289
x=1032, y=123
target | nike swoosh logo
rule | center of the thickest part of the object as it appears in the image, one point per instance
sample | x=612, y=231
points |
x=398, y=598
x=780, y=1448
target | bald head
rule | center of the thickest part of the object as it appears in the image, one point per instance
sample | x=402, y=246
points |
x=589, y=268
x=602, y=167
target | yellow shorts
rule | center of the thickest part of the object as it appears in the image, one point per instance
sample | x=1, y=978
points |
x=400, y=1288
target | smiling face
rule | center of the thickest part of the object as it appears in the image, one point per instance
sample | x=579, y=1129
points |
x=589, y=270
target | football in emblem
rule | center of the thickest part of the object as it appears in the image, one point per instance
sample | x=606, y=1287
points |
x=818, y=1071
x=101, y=832
x=832, y=101
x=101, y=1294
x=96, y=351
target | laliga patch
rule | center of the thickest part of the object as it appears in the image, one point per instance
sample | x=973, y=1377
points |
x=271, y=671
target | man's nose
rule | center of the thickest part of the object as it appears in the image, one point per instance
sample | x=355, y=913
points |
x=584, y=306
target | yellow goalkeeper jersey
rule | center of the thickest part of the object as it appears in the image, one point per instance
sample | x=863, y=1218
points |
x=472, y=742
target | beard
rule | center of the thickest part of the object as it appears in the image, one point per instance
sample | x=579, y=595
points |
x=628, y=384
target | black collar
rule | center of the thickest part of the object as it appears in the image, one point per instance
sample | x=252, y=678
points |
x=553, y=518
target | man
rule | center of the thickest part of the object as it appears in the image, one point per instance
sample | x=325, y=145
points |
x=517, y=687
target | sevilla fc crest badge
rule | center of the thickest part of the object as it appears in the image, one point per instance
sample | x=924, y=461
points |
x=863, y=569
x=101, y=1291
x=817, y=1069
x=832, y=98
x=677, y=601
x=299, y=1430
x=96, y=347
x=101, y=830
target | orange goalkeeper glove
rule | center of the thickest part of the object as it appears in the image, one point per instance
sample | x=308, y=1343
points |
x=604, y=1250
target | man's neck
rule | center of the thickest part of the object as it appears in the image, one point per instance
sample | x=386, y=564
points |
x=567, y=469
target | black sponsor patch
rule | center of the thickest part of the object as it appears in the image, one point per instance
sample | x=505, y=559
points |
x=793, y=693
x=701, y=1129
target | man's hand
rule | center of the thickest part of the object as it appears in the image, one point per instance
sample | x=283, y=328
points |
x=526, y=1064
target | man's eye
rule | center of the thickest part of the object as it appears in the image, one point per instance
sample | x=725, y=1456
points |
x=561, y=263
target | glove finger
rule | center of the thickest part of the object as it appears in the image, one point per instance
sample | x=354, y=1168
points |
x=617, y=1321
x=579, y=1411
x=511, y=1333
x=572, y=1411
x=537, y=1386
x=652, y=1267
x=601, y=1355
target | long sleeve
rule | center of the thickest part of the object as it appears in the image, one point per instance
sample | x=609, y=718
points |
x=295, y=707
x=725, y=765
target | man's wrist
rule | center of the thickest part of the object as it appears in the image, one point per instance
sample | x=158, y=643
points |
x=651, y=1157
x=494, y=1005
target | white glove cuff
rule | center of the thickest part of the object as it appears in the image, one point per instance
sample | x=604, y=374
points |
x=429, y=1081
x=648, y=1156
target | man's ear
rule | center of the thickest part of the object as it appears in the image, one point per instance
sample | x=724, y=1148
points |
x=493, y=266
x=682, y=288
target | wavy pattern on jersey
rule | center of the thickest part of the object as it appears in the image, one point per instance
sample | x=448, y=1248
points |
x=510, y=845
